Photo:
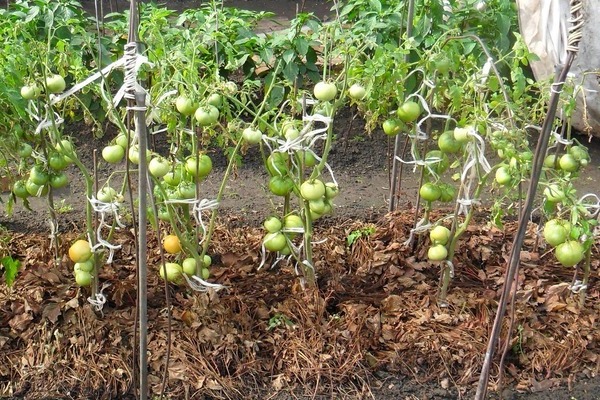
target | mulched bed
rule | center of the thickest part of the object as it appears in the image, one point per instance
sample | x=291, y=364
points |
x=376, y=311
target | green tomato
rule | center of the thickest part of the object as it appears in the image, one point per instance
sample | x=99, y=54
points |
x=581, y=154
x=503, y=177
x=86, y=266
x=462, y=135
x=328, y=206
x=113, y=154
x=185, y=106
x=57, y=161
x=186, y=190
x=481, y=6
x=30, y=92
x=437, y=252
x=357, y=91
x=281, y=185
x=286, y=251
x=189, y=266
x=442, y=65
x=569, y=253
x=392, y=126
x=317, y=206
x=556, y=231
x=205, y=272
x=65, y=147
x=275, y=241
x=83, y=278
x=121, y=140
x=331, y=190
x=325, y=91
x=134, y=154
x=292, y=222
x=207, y=115
x=554, y=193
x=272, y=224
x=439, y=235
x=55, y=83
x=36, y=190
x=550, y=161
x=448, y=192
x=199, y=166
x=430, y=192
x=174, y=273
x=106, y=194
x=313, y=189
x=409, y=111
x=163, y=214
x=159, y=167
x=58, y=180
x=252, y=136
x=174, y=176
x=231, y=88
x=447, y=143
x=24, y=150
x=215, y=100
x=291, y=133
x=568, y=163
x=277, y=163
x=20, y=190
x=38, y=175
x=307, y=157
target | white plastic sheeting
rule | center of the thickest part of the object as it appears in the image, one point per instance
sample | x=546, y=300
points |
x=544, y=25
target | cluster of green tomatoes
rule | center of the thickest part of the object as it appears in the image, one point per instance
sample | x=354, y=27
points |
x=174, y=271
x=48, y=166
x=438, y=162
x=44, y=175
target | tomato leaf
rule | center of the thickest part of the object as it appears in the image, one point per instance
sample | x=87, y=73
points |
x=11, y=268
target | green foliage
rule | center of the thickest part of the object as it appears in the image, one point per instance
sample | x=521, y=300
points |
x=279, y=320
x=359, y=233
x=11, y=269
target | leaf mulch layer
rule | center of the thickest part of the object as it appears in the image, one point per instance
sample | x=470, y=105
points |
x=375, y=312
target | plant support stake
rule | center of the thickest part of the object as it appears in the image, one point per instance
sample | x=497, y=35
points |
x=397, y=141
x=140, y=128
x=538, y=162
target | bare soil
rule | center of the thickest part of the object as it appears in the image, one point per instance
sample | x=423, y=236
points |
x=372, y=330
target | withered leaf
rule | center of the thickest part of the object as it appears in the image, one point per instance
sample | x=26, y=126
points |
x=51, y=312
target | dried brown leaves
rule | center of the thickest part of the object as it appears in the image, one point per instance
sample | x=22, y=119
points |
x=376, y=308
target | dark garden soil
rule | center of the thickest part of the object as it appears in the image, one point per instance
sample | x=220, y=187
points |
x=373, y=329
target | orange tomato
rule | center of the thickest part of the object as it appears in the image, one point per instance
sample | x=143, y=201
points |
x=172, y=244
